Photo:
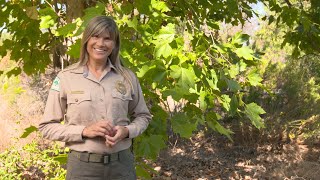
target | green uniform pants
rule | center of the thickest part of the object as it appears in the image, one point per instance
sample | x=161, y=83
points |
x=90, y=166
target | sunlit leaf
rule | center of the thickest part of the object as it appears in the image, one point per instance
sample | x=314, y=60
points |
x=28, y=131
x=245, y=52
x=253, y=111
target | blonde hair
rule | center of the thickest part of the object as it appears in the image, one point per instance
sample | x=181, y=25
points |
x=96, y=26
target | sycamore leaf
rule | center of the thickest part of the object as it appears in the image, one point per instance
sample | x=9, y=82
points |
x=182, y=126
x=133, y=23
x=240, y=38
x=245, y=52
x=213, y=83
x=66, y=30
x=254, y=78
x=176, y=93
x=46, y=22
x=74, y=50
x=163, y=49
x=89, y=14
x=142, y=172
x=233, y=85
x=167, y=33
x=47, y=17
x=159, y=5
x=225, y=100
x=185, y=76
x=234, y=104
x=234, y=70
x=151, y=146
x=212, y=121
x=32, y=12
x=28, y=131
x=253, y=111
x=143, y=6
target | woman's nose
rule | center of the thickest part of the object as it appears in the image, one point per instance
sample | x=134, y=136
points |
x=100, y=41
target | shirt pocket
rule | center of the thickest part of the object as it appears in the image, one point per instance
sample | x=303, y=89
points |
x=120, y=103
x=79, y=106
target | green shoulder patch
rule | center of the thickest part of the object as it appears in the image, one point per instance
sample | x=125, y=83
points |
x=56, y=84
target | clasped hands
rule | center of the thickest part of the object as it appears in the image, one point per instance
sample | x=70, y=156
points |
x=112, y=134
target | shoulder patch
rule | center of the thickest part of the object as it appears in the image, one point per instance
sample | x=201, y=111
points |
x=56, y=84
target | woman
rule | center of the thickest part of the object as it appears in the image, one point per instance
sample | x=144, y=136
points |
x=102, y=106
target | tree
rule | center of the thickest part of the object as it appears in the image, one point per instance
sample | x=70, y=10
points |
x=173, y=47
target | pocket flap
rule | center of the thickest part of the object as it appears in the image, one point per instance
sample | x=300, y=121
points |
x=78, y=98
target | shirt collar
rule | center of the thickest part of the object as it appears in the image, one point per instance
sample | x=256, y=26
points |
x=83, y=69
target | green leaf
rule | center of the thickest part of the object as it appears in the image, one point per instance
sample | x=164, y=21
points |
x=74, y=50
x=90, y=13
x=254, y=78
x=28, y=131
x=234, y=104
x=182, y=126
x=225, y=100
x=176, y=93
x=185, y=76
x=234, y=86
x=151, y=146
x=47, y=17
x=142, y=172
x=212, y=122
x=240, y=38
x=61, y=158
x=46, y=22
x=163, y=49
x=253, y=111
x=245, y=52
x=66, y=30
x=133, y=23
x=143, y=6
x=32, y=12
x=167, y=33
x=213, y=83
x=159, y=5
x=234, y=70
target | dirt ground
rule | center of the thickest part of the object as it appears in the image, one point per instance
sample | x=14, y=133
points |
x=206, y=158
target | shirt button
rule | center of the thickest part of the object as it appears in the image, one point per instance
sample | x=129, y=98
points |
x=102, y=117
x=76, y=100
x=101, y=100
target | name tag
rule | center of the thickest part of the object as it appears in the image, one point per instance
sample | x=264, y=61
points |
x=77, y=92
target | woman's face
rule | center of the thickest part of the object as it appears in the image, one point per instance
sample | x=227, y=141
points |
x=99, y=47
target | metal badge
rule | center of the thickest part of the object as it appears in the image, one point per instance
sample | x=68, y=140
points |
x=121, y=87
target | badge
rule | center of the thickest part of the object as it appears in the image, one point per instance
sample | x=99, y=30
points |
x=121, y=87
x=56, y=84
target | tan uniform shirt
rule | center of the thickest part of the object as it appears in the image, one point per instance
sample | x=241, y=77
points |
x=78, y=98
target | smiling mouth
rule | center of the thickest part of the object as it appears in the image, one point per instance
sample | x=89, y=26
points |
x=99, y=50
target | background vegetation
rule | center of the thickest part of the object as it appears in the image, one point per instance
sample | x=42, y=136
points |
x=201, y=72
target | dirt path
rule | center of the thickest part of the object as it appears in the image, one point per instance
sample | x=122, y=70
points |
x=206, y=159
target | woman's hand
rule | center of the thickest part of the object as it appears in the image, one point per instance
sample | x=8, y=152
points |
x=121, y=132
x=100, y=128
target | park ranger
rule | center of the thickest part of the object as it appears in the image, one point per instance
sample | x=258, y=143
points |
x=102, y=106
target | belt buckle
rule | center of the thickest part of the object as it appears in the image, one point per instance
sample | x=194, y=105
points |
x=106, y=159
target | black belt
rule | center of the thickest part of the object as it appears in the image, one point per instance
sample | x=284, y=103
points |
x=97, y=158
